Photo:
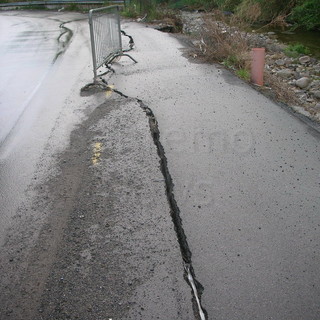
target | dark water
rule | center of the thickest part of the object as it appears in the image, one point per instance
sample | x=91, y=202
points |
x=310, y=39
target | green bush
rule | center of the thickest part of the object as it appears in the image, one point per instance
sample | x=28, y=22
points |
x=150, y=10
x=307, y=14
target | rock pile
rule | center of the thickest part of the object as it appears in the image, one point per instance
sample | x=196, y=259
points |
x=302, y=74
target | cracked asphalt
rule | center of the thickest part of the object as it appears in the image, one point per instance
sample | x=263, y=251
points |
x=107, y=198
x=246, y=180
x=86, y=227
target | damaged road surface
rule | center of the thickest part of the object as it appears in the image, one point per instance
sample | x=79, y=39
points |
x=181, y=194
x=108, y=240
x=86, y=226
x=246, y=181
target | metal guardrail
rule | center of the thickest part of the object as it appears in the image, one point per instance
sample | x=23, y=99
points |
x=105, y=35
x=58, y=2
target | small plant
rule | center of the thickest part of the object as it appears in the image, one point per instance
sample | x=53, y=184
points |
x=243, y=74
x=230, y=62
x=228, y=5
x=153, y=12
x=294, y=50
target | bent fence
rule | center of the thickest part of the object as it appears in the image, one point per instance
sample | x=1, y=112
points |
x=105, y=34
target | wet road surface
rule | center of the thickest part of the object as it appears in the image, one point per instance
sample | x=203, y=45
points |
x=28, y=48
x=86, y=230
x=32, y=99
x=86, y=225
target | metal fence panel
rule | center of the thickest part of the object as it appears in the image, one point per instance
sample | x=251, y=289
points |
x=105, y=35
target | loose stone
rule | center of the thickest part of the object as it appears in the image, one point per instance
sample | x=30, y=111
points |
x=304, y=59
x=316, y=93
x=303, y=82
x=280, y=62
x=285, y=73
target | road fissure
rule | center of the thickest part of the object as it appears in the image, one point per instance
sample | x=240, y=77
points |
x=189, y=275
x=197, y=288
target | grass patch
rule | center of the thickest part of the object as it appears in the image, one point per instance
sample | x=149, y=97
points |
x=243, y=74
x=294, y=50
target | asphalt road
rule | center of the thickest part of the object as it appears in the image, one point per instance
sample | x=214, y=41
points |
x=34, y=92
x=86, y=230
x=28, y=48
x=247, y=182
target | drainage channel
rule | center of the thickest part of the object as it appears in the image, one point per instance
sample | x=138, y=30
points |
x=197, y=288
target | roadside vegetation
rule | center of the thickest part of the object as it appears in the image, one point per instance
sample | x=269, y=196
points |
x=298, y=13
x=224, y=37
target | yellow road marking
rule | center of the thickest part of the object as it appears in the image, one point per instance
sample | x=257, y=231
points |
x=97, y=147
x=109, y=91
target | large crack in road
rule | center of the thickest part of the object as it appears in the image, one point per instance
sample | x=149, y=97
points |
x=197, y=288
x=190, y=277
x=95, y=239
x=107, y=247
